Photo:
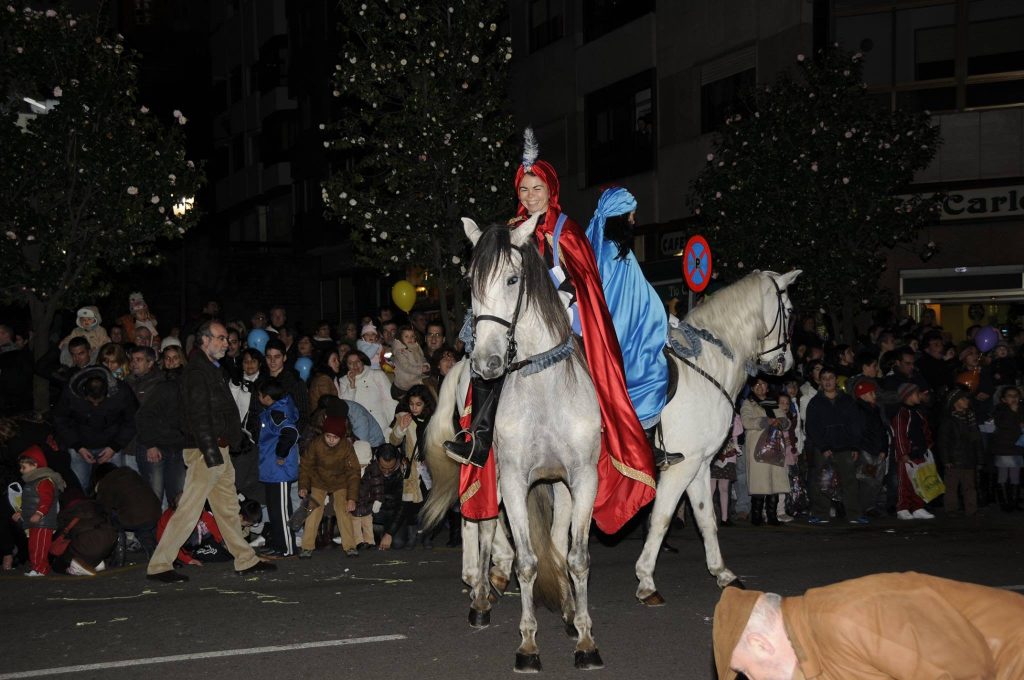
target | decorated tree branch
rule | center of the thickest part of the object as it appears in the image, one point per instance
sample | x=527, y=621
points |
x=91, y=179
x=810, y=173
x=425, y=136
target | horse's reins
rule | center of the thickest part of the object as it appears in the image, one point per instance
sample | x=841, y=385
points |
x=683, y=356
x=510, y=335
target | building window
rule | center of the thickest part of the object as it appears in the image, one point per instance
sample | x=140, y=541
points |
x=278, y=137
x=604, y=16
x=620, y=128
x=910, y=54
x=720, y=98
x=273, y=64
x=547, y=22
x=237, y=153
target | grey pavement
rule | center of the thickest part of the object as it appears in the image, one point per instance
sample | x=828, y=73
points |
x=119, y=617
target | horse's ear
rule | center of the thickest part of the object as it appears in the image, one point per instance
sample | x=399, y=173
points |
x=522, y=233
x=472, y=231
x=787, y=279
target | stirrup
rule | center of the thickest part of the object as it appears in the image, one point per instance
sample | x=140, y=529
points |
x=663, y=460
x=454, y=455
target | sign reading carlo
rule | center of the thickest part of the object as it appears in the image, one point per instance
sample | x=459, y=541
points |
x=972, y=204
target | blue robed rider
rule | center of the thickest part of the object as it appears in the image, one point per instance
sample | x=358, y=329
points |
x=639, y=316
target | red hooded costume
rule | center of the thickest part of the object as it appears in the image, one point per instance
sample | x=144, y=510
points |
x=626, y=465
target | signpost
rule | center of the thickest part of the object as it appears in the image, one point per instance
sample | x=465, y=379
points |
x=697, y=263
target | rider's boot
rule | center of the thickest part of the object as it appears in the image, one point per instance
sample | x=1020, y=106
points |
x=662, y=459
x=481, y=429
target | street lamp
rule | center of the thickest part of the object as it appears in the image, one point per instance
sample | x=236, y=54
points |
x=183, y=206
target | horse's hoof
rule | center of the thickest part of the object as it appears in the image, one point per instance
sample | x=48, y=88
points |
x=570, y=629
x=478, y=619
x=588, y=661
x=654, y=600
x=735, y=583
x=498, y=587
x=527, y=663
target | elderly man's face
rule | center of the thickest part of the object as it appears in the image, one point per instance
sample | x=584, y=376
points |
x=143, y=337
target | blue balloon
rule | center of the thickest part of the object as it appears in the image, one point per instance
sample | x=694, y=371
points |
x=303, y=366
x=986, y=338
x=258, y=339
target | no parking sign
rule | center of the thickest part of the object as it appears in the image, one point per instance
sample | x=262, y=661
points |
x=697, y=263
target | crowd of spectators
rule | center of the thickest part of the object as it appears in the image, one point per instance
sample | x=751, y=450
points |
x=850, y=434
x=329, y=451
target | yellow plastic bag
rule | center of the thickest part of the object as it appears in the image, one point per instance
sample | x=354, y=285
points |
x=925, y=478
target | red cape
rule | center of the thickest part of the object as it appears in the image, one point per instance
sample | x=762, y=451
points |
x=626, y=465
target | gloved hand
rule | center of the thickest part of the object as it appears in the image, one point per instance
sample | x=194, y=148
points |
x=211, y=452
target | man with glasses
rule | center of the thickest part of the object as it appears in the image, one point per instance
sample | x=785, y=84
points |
x=211, y=425
x=434, y=337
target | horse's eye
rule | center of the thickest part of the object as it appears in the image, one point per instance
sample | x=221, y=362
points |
x=512, y=280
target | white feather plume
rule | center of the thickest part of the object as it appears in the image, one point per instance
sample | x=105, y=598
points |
x=530, y=149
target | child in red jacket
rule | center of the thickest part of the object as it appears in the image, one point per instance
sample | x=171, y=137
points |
x=38, y=508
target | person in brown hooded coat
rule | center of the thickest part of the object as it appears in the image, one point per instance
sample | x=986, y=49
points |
x=330, y=467
x=906, y=626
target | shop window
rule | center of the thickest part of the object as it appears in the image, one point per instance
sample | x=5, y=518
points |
x=604, y=16
x=547, y=22
x=718, y=99
x=621, y=128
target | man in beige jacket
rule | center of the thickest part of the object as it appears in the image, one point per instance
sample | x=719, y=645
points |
x=906, y=626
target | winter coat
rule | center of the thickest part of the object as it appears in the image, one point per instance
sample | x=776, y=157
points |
x=373, y=391
x=405, y=440
x=364, y=426
x=158, y=420
x=1008, y=430
x=93, y=536
x=39, y=494
x=141, y=384
x=330, y=468
x=293, y=384
x=81, y=424
x=279, y=441
x=959, y=440
x=96, y=336
x=906, y=625
x=762, y=478
x=409, y=361
x=874, y=437
x=209, y=417
x=375, y=486
x=128, y=498
x=833, y=424
x=319, y=385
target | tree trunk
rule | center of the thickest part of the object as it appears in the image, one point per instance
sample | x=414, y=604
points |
x=42, y=322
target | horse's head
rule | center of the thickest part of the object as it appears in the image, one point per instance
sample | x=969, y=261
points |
x=503, y=275
x=774, y=356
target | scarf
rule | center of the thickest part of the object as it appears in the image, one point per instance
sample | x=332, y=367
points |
x=45, y=473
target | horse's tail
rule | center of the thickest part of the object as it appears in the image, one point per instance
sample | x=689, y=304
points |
x=443, y=470
x=552, y=573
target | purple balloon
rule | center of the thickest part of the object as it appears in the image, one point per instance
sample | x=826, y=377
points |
x=986, y=338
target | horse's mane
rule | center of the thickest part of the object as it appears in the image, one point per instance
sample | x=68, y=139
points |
x=730, y=312
x=494, y=249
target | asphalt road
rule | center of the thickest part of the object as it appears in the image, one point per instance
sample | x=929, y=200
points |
x=352, y=607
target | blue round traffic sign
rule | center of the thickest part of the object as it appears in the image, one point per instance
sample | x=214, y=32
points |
x=697, y=263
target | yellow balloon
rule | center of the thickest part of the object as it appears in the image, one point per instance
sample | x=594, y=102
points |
x=404, y=295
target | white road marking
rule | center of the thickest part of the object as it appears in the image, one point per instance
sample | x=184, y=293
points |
x=1020, y=587
x=199, y=656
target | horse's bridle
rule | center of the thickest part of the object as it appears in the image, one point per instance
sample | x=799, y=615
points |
x=510, y=335
x=780, y=323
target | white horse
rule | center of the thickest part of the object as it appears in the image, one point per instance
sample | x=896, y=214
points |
x=745, y=324
x=547, y=429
